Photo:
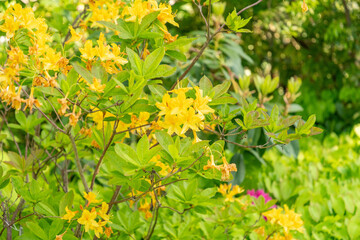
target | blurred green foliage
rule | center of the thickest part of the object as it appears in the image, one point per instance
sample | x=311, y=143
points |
x=322, y=184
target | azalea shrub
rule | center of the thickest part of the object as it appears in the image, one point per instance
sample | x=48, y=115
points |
x=104, y=135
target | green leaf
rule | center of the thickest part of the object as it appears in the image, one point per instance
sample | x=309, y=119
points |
x=21, y=118
x=315, y=211
x=177, y=55
x=164, y=140
x=147, y=20
x=142, y=148
x=153, y=60
x=55, y=228
x=66, y=201
x=162, y=71
x=45, y=208
x=135, y=61
x=37, y=230
x=180, y=42
x=122, y=28
x=83, y=72
x=353, y=227
x=235, y=22
x=126, y=153
x=221, y=89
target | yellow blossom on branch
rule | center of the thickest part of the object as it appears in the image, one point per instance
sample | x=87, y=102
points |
x=69, y=214
x=91, y=198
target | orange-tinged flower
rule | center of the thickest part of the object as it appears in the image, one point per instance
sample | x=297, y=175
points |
x=91, y=198
x=60, y=237
x=31, y=101
x=108, y=231
x=64, y=106
x=74, y=117
x=211, y=164
x=69, y=214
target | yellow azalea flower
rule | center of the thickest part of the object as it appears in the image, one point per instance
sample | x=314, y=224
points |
x=88, y=219
x=10, y=26
x=16, y=56
x=167, y=36
x=69, y=214
x=180, y=102
x=145, y=207
x=137, y=11
x=223, y=189
x=200, y=103
x=98, y=228
x=118, y=59
x=103, y=212
x=165, y=169
x=97, y=86
x=88, y=52
x=228, y=193
x=165, y=106
x=172, y=124
x=50, y=59
x=103, y=50
x=16, y=100
x=91, y=198
x=304, y=7
x=98, y=118
x=74, y=36
x=166, y=15
x=286, y=218
x=109, y=67
x=191, y=121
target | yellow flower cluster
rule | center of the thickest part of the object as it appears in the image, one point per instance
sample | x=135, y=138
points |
x=88, y=218
x=110, y=60
x=139, y=9
x=228, y=192
x=104, y=10
x=182, y=113
x=286, y=218
x=225, y=168
x=41, y=58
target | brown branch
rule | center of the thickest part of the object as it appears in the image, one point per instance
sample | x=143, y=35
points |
x=78, y=163
x=97, y=168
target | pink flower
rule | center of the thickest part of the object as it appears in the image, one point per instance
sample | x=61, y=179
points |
x=259, y=193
